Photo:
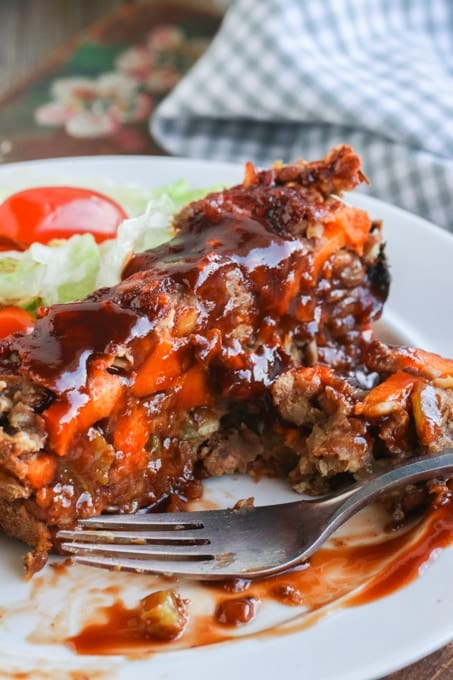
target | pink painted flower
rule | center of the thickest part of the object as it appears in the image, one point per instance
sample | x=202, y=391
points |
x=99, y=107
x=135, y=62
x=159, y=65
x=165, y=37
x=73, y=90
x=94, y=107
x=87, y=124
x=53, y=113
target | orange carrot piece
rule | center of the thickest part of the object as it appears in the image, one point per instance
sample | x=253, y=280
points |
x=194, y=390
x=424, y=363
x=41, y=470
x=132, y=430
x=356, y=226
x=347, y=227
x=65, y=417
x=160, y=370
x=388, y=396
x=332, y=240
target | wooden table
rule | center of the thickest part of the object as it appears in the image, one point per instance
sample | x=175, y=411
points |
x=29, y=31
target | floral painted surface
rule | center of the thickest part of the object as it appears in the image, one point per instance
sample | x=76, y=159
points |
x=94, y=107
x=99, y=107
x=162, y=60
x=97, y=96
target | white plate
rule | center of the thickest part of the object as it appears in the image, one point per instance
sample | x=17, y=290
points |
x=358, y=643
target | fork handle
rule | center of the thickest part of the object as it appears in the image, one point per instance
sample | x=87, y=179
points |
x=353, y=500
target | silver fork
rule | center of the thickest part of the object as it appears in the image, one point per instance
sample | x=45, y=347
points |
x=242, y=543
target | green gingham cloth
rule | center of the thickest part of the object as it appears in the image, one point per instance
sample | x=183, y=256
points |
x=285, y=79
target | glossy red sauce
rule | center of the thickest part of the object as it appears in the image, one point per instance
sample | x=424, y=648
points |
x=332, y=573
x=407, y=567
x=235, y=611
x=118, y=632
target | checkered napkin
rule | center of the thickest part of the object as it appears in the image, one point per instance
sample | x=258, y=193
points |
x=285, y=79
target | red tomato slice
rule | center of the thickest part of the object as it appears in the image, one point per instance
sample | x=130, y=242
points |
x=13, y=319
x=44, y=213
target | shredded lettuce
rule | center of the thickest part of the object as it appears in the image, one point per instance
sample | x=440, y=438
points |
x=134, y=236
x=135, y=199
x=181, y=194
x=70, y=269
x=63, y=271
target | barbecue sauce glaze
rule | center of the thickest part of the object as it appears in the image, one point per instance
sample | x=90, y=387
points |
x=204, y=321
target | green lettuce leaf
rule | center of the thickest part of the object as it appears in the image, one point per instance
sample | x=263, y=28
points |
x=63, y=271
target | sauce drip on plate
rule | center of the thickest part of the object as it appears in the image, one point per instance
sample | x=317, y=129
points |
x=380, y=568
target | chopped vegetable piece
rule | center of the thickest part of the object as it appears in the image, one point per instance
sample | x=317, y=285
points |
x=163, y=615
x=388, y=396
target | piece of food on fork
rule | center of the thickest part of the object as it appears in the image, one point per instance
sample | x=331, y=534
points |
x=120, y=401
